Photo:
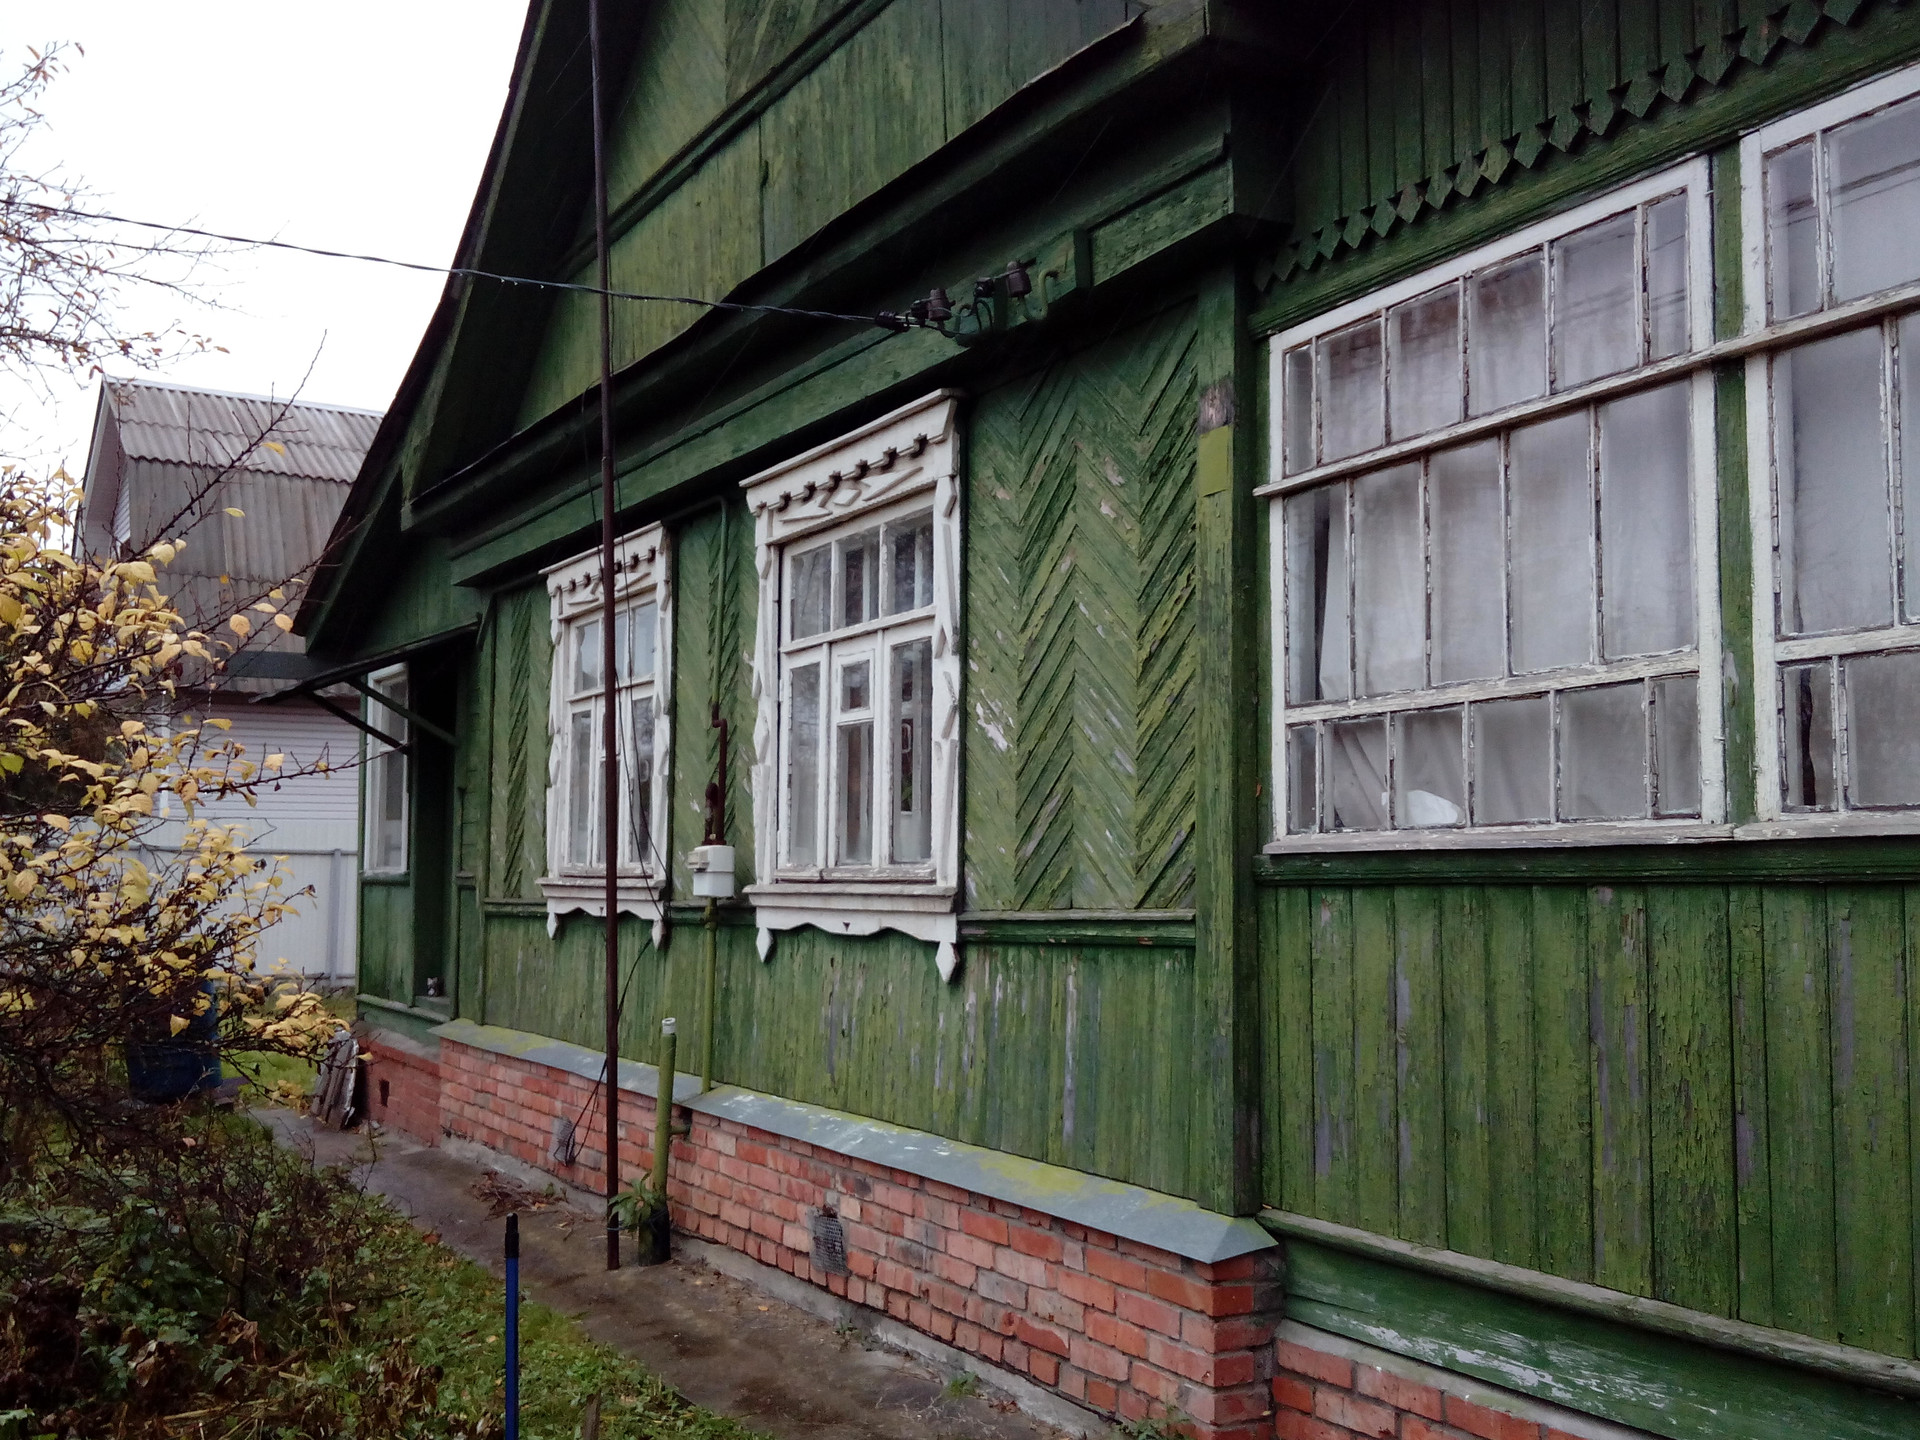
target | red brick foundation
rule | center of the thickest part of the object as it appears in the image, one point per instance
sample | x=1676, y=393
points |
x=1118, y=1327
x=403, y=1085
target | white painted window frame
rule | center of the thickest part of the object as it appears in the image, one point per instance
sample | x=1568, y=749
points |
x=1694, y=179
x=643, y=570
x=1771, y=651
x=378, y=755
x=888, y=468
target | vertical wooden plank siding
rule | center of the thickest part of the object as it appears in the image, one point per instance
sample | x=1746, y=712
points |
x=1873, y=1223
x=1800, y=1108
x=1511, y=1092
x=1562, y=1008
x=1752, y=1148
x=1622, y=1202
x=1471, y=1177
x=1701, y=1093
x=1419, y=1118
x=1690, y=1050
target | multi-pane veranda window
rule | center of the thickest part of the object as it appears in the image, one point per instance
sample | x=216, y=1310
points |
x=1832, y=209
x=857, y=696
x=1487, y=522
x=636, y=633
x=385, y=800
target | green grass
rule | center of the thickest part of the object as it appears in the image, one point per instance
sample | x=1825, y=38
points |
x=454, y=1313
x=282, y=1079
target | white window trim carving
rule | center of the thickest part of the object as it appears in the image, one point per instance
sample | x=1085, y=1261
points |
x=909, y=453
x=1771, y=651
x=642, y=567
x=1691, y=177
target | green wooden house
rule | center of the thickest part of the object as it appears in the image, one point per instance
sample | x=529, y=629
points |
x=1326, y=846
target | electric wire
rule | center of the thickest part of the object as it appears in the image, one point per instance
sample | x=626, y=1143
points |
x=884, y=320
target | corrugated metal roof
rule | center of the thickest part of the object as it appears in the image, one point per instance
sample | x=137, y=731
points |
x=207, y=427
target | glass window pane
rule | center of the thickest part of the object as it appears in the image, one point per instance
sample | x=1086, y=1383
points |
x=1389, y=583
x=1603, y=753
x=1317, y=630
x=1551, y=509
x=1676, y=745
x=643, y=640
x=856, y=686
x=1831, y=465
x=854, y=810
x=1792, y=233
x=582, y=751
x=1909, y=363
x=1646, y=524
x=811, y=598
x=1507, y=334
x=1469, y=628
x=1874, y=190
x=1297, y=403
x=1423, y=373
x=1668, y=319
x=587, y=655
x=639, y=757
x=803, y=766
x=859, y=577
x=1806, y=736
x=913, y=751
x=1357, y=774
x=1352, y=394
x=910, y=552
x=1512, y=760
x=1302, y=780
x=1883, y=728
x=1429, y=769
x=1596, y=302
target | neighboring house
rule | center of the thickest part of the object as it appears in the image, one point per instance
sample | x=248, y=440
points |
x=1328, y=802
x=168, y=461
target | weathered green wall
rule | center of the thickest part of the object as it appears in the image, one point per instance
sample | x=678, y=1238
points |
x=1701, y=1093
x=1080, y=608
x=785, y=116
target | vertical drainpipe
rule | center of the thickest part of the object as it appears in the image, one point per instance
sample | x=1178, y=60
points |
x=610, y=756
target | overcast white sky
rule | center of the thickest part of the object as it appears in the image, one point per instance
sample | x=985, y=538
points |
x=351, y=125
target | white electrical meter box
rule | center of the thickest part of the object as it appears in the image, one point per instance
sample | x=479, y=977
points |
x=712, y=867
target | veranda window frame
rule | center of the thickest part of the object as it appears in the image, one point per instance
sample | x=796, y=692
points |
x=1764, y=338
x=1690, y=367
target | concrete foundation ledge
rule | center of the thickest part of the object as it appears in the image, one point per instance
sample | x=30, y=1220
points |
x=1131, y=1212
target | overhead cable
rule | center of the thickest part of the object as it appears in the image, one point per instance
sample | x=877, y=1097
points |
x=885, y=321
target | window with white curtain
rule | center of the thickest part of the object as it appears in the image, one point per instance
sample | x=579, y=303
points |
x=1490, y=582
x=1831, y=208
x=384, y=844
x=639, y=693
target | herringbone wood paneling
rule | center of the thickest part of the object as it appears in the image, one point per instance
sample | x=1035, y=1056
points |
x=1080, y=571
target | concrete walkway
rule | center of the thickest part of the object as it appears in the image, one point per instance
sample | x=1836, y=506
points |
x=727, y=1338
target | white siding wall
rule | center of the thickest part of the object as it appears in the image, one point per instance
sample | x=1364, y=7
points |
x=313, y=820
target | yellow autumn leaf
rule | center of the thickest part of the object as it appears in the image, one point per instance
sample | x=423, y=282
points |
x=275, y=446
x=240, y=626
x=236, y=512
x=176, y=1023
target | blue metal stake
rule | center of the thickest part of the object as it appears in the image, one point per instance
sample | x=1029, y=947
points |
x=513, y=1327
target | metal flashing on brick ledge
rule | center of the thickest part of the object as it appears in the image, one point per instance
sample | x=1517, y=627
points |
x=1131, y=1212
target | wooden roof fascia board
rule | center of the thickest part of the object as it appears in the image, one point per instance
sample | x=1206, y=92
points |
x=332, y=600
x=104, y=423
x=881, y=219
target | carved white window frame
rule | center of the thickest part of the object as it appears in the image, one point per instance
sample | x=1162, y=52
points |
x=642, y=571
x=911, y=454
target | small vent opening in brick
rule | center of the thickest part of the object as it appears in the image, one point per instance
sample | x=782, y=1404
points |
x=829, y=1242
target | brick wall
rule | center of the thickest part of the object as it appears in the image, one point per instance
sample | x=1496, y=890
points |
x=1318, y=1396
x=403, y=1085
x=1121, y=1328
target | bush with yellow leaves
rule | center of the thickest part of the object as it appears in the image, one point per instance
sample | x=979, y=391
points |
x=124, y=910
